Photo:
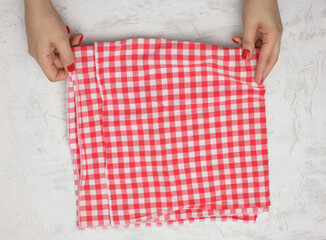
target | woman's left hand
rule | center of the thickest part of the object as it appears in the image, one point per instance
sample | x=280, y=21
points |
x=262, y=27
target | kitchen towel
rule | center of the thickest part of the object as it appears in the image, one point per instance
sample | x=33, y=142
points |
x=166, y=132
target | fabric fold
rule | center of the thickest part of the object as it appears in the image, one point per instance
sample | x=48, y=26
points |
x=166, y=132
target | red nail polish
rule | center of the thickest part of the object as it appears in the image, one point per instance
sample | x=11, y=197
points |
x=68, y=29
x=81, y=38
x=235, y=41
x=71, y=67
x=245, y=54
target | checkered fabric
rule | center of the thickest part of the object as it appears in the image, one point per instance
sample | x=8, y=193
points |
x=166, y=132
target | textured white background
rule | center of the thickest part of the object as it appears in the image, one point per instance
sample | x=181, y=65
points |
x=36, y=178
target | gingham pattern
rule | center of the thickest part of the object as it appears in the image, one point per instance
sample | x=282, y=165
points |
x=166, y=132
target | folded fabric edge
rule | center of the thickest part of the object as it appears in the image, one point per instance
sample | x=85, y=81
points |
x=125, y=40
x=245, y=218
x=237, y=50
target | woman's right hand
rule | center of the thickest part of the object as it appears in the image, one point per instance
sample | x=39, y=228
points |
x=49, y=39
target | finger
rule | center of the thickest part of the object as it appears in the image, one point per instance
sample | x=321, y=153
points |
x=57, y=61
x=237, y=40
x=50, y=70
x=264, y=54
x=272, y=60
x=249, y=39
x=76, y=39
x=66, y=55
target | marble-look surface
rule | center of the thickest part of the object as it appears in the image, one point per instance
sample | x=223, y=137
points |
x=36, y=178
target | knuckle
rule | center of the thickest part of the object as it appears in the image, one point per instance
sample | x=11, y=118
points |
x=279, y=28
x=273, y=58
x=62, y=38
x=247, y=42
x=51, y=79
x=31, y=52
x=37, y=55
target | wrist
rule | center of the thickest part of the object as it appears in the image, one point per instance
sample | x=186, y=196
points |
x=37, y=1
x=36, y=5
x=37, y=8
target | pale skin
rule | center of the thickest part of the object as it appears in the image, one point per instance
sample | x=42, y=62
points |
x=49, y=40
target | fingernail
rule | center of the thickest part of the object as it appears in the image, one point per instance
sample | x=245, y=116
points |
x=245, y=54
x=81, y=38
x=68, y=29
x=71, y=67
x=235, y=41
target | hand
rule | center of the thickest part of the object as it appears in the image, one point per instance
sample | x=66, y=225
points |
x=49, y=39
x=262, y=27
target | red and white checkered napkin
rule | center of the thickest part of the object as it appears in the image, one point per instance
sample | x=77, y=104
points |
x=166, y=132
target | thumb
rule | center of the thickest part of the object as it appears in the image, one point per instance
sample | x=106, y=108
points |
x=66, y=55
x=249, y=39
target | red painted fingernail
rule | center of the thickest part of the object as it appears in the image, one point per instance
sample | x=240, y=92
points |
x=235, y=41
x=81, y=38
x=68, y=29
x=71, y=67
x=245, y=54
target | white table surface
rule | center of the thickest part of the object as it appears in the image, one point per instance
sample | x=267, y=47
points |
x=37, y=198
